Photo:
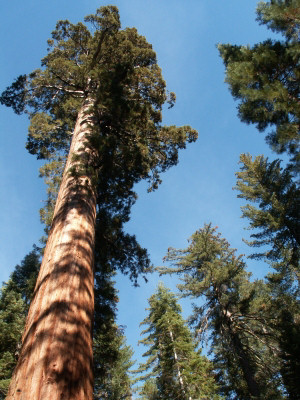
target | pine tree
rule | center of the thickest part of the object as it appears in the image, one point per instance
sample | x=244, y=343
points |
x=149, y=390
x=265, y=78
x=14, y=303
x=102, y=90
x=180, y=371
x=113, y=360
x=276, y=216
x=276, y=222
x=12, y=319
x=232, y=311
x=112, y=357
x=24, y=276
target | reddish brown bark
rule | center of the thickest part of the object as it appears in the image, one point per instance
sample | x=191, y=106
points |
x=56, y=357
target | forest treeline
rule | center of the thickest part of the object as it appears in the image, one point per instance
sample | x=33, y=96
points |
x=95, y=111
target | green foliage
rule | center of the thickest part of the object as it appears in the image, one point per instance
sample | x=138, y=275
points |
x=52, y=173
x=179, y=371
x=149, y=390
x=232, y=311
x=281, y=16
x=24, y=276
x=275, y=220
x=265, y=81
x=288, y=326
x=277, y=196
x=12, y=319
x=112, y=357
x=14, y=303
x=265, y=78
x=115, y=71
x=112, y=361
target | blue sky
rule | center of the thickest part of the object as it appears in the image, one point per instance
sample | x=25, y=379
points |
x=184, y=35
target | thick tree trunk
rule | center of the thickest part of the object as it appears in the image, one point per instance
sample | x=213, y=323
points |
x=55, y=362
x=245, y=362
x=253, y=386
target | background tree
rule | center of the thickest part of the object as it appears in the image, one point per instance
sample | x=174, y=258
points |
x=241, y=332
x=12, y=319
x=265, y=78
x=149, y=390
x=112, y=357
x=274, y=213
x=14, y=303
x=180, y=372
x=108, y=81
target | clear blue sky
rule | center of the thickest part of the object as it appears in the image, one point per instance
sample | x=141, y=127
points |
x=199, y=189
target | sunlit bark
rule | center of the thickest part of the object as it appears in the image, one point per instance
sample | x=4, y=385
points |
x=56, y=357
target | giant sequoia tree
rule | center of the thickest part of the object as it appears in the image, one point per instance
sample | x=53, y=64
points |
x=98, y=98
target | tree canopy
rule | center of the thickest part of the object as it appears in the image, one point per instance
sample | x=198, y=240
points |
x=231, y=309
x=178, y=369
x=265, y=78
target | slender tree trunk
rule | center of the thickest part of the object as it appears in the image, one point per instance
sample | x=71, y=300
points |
x=55, y=362
x=177, y=366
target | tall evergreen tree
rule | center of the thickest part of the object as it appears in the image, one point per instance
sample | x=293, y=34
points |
x=149, y=390
x=24, y=276
x=12, y=319
x=232, y=311
x=102, y=90
x=180, y=372
x=14, y=303
x=273, y=213
x=265, y=78
x=113, y=360
x=112, y=357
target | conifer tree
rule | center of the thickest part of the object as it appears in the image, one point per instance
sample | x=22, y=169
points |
x=113, y=360
x=273, y=213
x=232, y=311
x=149, y=390
x=14, y=303
x=102, y=90
x=265, y=78
x=112, y=357
x=180, y=372
x=12, y=319
x=24, y=276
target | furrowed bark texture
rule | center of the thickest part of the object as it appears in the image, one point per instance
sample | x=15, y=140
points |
x=55, y=362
